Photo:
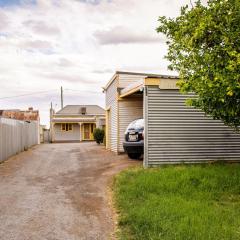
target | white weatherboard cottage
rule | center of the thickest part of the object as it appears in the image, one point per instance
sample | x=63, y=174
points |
x=173, y=132
x=75, y=123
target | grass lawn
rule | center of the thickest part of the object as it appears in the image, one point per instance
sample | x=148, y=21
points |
x=179, y=202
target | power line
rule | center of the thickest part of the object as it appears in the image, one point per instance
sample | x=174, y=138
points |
x=75, y=90
x=34, y=93
x=27, y=94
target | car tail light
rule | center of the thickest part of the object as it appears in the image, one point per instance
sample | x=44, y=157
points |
x=141, y=136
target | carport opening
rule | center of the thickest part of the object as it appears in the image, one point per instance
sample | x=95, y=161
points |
x=130, y=109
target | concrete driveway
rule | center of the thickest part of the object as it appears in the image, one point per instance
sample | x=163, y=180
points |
x=58, y=191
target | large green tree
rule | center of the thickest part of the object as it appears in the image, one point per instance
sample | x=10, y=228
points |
x=204, y=47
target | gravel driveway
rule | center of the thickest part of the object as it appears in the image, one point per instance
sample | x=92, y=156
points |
x=58, y=191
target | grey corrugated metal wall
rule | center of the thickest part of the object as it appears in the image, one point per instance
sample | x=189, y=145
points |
x=16, y=136
x=176, y=133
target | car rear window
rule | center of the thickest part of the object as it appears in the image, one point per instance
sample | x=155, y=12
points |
x=137, y=124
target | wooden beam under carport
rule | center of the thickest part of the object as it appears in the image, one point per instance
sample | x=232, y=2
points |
x=131, y=91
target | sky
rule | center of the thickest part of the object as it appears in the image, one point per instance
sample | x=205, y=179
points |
x=76, y=44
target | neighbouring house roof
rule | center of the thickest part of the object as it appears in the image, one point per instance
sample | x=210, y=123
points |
x=23, y=115
x=77, y=110
x=138, y=74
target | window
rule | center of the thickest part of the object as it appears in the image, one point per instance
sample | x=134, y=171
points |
x=67, y=127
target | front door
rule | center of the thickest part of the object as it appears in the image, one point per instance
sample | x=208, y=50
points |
x=87, y=131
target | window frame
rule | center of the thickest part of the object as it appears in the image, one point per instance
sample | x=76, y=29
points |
x=66, y=127
x=63, y=126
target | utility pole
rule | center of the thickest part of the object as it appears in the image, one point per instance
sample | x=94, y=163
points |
x=51, y=124
x=51, y=111
x=61, y=97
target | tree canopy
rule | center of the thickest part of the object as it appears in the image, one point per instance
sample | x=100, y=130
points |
x=204, y=47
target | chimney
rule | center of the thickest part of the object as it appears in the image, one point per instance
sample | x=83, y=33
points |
x=83, y=110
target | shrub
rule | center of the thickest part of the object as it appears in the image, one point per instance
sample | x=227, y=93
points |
x=98, y=135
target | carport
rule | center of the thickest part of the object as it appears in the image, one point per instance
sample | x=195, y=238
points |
x=174, y=132
x=124, y=103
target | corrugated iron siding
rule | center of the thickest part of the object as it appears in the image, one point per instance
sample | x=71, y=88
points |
x=177, y=133
x=125, y=80
x=111, y=102
x=16, y=136
x=129, y=110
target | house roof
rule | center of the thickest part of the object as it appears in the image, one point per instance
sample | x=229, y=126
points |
x=76, y=110
x=23, y=115
x=147, y=74
x=138, y=74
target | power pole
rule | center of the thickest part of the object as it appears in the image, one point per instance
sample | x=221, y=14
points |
x=61, y=97
x=51, y=124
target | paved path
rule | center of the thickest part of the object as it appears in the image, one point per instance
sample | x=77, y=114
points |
x=58, y=191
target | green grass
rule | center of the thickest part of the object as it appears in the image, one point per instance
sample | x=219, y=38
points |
x=179, y=202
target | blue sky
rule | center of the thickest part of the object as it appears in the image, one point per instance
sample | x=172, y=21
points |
x=6, y=3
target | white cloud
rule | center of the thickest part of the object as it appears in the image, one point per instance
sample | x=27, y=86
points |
x=123, y=35
x=3, y=21
x=41, y=27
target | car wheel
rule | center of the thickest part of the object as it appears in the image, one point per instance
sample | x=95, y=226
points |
x=134, y=155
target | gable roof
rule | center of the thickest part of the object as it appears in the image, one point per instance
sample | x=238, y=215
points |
x=139, y=74
x=76, y=110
